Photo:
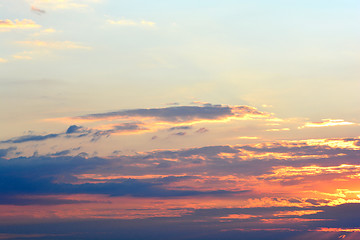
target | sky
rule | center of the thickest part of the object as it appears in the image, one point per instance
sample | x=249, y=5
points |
x=179, y=119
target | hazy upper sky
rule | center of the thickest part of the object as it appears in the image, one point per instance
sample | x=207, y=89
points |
x=201, y=105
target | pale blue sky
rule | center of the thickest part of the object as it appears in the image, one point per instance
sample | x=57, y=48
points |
x=301, y=57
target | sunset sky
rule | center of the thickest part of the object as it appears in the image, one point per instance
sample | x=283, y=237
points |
x=159, y=119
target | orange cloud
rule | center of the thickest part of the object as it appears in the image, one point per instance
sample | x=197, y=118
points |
x=337, y=230
x=315, y=170
x=18, y=24
x=291, y=220
x=239, y=216
x=333, y=143
x=296, y=213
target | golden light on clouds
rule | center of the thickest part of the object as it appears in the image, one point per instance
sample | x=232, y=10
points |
x=277, y=129
x=327, y=123
x=239, y=216
x=296, y=213
x=283, y=172
x=338, y=230
x=18, y=24
x=248, y=137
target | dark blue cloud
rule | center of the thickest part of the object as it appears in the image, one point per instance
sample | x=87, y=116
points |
x=180, y=113
x=169, y=114
x=199, y=224
x=16, y=185
x=54, y=174
x=30, y=138
x=4, y=151
x=40, y=175
x=61, y=153
x=73, y=129
x=21, y=200
x=180, y=128
x=202, y=130
x=180, y=134
x=124, y=127
x=141, y=229
x=343, y=216
x=316, y=201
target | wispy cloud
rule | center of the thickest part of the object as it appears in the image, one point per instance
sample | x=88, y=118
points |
x=75, y=131
x=62, y=4
x=3, y=60
x=30, y=138
x=202, y=130
x=4, y=152
x=18, y=24
x=128, y=22
x=26, y=55
x=54, y=45
x=46, y=31
x=181, y=114
x=22, y=57
x=37, y=10
x=180, y=128
x=120, y=128
x=277, y=129
x=248, y=138
x=327, y=123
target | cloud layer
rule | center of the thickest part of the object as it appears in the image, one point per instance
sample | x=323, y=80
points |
x=285, y=186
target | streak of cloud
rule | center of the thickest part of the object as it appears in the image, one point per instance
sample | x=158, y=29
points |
x=64, y=4
x=18, y=24
x=54, y=45
x=128, y=22
x=327, y=123
x=181, y=114
x=30, y=138
x=37, y=10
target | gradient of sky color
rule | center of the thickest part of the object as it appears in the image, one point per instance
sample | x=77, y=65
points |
x=179, y=119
